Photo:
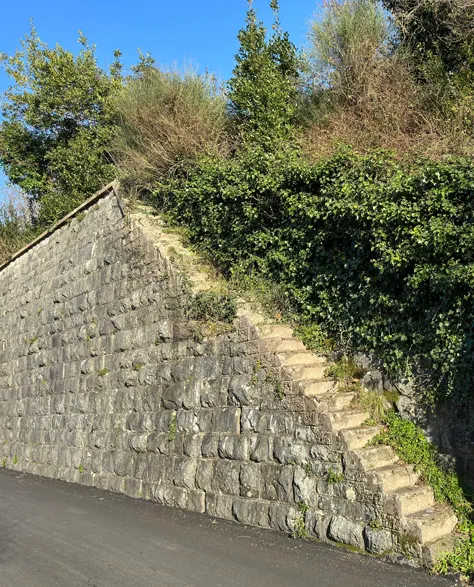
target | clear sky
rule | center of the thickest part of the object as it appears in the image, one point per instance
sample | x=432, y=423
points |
x=203, y=32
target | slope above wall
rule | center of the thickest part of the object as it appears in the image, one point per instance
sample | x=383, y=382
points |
x=105, y=381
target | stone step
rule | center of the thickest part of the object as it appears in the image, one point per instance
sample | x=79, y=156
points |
x=292, y=345
x=375, y=457
x=432, y=551
x=301, y=359
x=275, y=331
x=344, y=419
x=394, y=477
x=303, y=373
x=336, y=401
x=432, y=523
x=318, y=387
x=358, y=437
x=414, y=499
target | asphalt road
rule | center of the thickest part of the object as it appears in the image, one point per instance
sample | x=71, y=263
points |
x=54, y=534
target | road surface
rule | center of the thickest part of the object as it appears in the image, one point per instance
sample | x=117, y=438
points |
x=54, y=534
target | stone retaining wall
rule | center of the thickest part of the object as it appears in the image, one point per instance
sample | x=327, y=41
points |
x=104, y=382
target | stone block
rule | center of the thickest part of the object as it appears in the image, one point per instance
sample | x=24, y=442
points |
x=287, y=450
x=378, y=541
x=233, y=446
x=261, y=447
x=219, y=505
x=227, y=477
x=185, y=472
x=251, y=511
x=250, y=480
x=346, y=531
x=283, y=517
x=277, y=482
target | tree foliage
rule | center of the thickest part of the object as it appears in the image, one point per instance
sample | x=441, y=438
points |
x=263, y=90
x=57, y=123
x=437, y=28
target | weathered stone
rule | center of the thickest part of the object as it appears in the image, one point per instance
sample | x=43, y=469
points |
x=226, y=477
x=261, y=447
x=251, y=511
x=219, y=505
x=345, y=531
x=234, y=446
x=378, y=541
x=105, y=382
x=250, y=480
x=373, y=381
x=283, y=517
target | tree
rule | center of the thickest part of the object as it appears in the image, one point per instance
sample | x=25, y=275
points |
x=347, y=44
x=437, y=28
x=263, y=90
x=57, y=123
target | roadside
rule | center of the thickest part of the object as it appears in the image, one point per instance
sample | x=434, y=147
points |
x=62, y=535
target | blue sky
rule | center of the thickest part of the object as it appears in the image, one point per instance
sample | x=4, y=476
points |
x=203, y=32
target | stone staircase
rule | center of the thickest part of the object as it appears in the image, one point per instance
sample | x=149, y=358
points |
x=426, y=527
x=425, y=522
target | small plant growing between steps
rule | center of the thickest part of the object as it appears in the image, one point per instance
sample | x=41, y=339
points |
x=334, y=477
x=315, y=339
x=345, y=371
x=300, y=522
x=374, y=403
x=409, y=442
x=173, y=427
x=212, y=306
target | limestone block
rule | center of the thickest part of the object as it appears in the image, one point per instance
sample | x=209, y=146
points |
x=346, y=531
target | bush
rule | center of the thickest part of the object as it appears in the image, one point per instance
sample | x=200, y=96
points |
x=57, y=122
x=412, y=447
x=374, y=251
x=165, y=119
x=369, y=88
x=346, y=46
x=16, y=229
x=263, y=89
x=213, y=306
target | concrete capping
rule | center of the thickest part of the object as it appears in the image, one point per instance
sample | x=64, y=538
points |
x=111, y=188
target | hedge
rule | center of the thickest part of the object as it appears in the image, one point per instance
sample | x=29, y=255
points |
x=373, y=249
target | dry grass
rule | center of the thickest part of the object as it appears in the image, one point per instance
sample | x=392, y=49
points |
x=16, y=229
x=392, y=115
x=166, y=119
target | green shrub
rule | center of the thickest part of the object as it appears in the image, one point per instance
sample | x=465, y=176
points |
x=375, y=251
x=263, y=89
x=409, y=442
x=213, y=307
x=411, y=445
x=314, y=338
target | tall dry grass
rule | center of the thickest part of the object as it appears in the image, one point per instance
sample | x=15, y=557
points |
x=167, y=118
x=16, y=228
x=368, y=95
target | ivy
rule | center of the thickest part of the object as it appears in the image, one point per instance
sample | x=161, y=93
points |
x=377, y=253
x=412, y=447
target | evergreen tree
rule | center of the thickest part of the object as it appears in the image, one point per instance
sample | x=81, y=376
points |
x=263, y=90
